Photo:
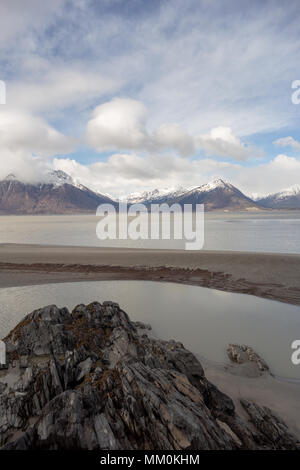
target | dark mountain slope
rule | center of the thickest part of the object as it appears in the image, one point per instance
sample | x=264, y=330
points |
x=47, y=198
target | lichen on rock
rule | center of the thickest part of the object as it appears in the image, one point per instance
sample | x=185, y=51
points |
x=88, y=379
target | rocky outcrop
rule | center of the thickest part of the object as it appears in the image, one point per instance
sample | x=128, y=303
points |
x=92, y=379
x=242, y=354
x=274, y=430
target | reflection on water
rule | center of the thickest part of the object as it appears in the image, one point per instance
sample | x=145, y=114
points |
x=263, y=232
x=205, y=320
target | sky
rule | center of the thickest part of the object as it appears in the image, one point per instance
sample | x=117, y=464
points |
x=127, y=96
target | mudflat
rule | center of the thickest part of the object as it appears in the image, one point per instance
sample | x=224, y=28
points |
x=274, y=276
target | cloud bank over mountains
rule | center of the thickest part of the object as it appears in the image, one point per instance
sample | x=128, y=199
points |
x=137, y=95
x=28, y=144
x=122, y=174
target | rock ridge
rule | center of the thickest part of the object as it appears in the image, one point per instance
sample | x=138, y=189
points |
x=92, y=379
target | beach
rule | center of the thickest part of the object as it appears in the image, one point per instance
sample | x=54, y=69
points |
x=273, y=276
x=278, y=395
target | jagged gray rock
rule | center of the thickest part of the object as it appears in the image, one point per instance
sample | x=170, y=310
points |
x=88, y=380
x=272, y=427
x=243, y=354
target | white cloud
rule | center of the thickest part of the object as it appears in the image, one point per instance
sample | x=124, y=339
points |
x=15, y=18
x=288, y=142
x=172, y=136
x=192, y=63
x=120, y=174
x=219, y=66
x=276, y=175
x=53, y=86
x=25, y=166
x=221, y=142
x=27, y=143
x=25, y=132
x=121, y=125
x=118, y=124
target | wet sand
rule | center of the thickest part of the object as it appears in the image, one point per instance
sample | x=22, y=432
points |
x=280, y=396
x=268, y=275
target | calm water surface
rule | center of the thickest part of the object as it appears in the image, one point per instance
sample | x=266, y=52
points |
x=264, y=232
x=205, y=320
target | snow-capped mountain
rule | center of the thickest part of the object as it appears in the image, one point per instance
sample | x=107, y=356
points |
x=216, y=195
x=58, y=178
x=287, y=199
x=54, y=177
x=215, y=184
x=155, y=196
x=57, y=193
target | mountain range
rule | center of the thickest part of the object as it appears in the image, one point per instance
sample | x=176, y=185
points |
x=60, y=194
x=217, y=195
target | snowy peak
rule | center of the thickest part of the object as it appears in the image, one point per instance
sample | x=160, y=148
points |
x=289, y=192
x=215, y=184
x=55, y=193
x=155, y=195
x=287, y=199
x=172, y=193
x=216, y=195
x=55, y=177
x=292, y=191
x=58, y=177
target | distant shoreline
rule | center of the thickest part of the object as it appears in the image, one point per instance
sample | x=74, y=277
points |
x=267, y=275
x=232, y=212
